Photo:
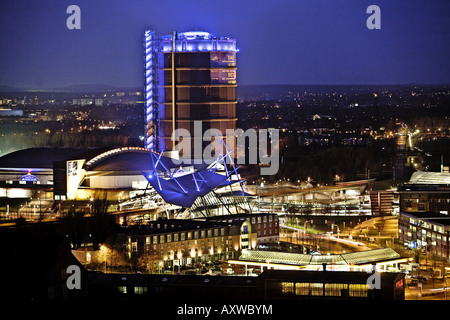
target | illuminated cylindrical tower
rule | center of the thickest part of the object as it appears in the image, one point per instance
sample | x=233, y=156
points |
x=189, y=77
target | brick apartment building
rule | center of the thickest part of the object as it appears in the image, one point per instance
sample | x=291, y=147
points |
x=174, y=242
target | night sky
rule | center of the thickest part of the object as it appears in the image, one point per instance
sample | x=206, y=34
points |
x=280, y=42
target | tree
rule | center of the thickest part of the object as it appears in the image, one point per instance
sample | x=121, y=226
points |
x=100, y=221
x=147, y=261
x=291, y=210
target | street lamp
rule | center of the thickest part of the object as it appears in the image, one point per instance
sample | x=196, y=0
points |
x=332, y=229
x=337, y=178
x=304, y=227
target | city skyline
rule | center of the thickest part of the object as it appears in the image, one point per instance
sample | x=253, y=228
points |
x=279, y=43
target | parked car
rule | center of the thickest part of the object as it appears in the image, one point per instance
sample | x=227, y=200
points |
x=421, y=278
x=413, y=284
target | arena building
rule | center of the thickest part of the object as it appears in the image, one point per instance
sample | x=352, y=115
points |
x=131, y=177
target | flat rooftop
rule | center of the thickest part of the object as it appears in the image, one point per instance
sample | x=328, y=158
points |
x=432, y=217
x=354, y=258
x=174, y=225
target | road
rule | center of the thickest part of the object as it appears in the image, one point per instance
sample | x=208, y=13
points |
x=427, y=294
x=357, y=246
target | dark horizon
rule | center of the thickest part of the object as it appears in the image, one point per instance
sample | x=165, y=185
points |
x=80, y=88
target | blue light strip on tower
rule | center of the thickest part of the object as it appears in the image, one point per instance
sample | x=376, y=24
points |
x=149, y=40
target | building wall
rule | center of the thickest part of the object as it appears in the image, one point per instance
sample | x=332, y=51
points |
x=15, y=193
x=381, y=203
x=417, y=233
x=115, y=181
x=203, y=93
x=266, y=226
x=262, y=288
x=43, y=177
x=425, y=202
x=185, y=247
x=419, y=204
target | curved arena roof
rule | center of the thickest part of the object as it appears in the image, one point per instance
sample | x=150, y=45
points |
x=39, y=158
x=120, y=159
x=98, y=159
x=423, y=177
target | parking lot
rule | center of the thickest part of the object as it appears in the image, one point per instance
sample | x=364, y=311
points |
x=423, y=286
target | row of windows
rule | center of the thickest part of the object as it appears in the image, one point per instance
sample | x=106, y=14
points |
x=434, y=205
x=431, y=197
x=173, y=254
x=300, y=289
x=427, y=227
x=259, y=219
x=435, y=239
x=265, y=232
x=201, y=94
x=264, y=225
x=324, y=289
x=263, y=219
x=137, y=290
x=222, y=125
x=200, y=77
x=440, y=200
x=200, y=111
x=197, y=59
x=188, y=243
x=184, y=236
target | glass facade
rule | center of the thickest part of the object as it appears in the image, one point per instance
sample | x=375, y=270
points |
x=191, y=78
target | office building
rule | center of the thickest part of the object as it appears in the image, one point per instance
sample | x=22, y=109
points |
x=426, y=231
x=424, y=222
x=189, y=77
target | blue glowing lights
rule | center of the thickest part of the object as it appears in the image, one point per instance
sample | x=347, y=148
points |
x=182, y=184
x=28, y=177
x=150, y=89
